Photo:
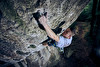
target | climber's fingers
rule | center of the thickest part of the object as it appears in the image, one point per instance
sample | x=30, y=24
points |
x=43, y=20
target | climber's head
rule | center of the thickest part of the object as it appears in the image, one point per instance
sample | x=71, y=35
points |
x=67, y=33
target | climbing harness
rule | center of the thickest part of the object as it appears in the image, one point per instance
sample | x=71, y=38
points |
x=52, y=42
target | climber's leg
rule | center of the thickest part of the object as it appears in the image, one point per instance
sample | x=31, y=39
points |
x=45, y=44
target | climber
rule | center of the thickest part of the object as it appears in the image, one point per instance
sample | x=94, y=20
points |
x=61, y=41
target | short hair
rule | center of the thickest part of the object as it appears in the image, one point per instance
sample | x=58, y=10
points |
x=74, y=30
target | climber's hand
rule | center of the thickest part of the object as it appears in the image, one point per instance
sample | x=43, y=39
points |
x=43, y=20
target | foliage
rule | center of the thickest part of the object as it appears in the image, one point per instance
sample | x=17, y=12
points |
x=86, y=15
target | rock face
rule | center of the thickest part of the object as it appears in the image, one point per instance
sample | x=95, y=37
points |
x=21, y=35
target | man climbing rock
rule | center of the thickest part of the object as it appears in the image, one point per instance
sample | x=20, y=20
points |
x=60, y=41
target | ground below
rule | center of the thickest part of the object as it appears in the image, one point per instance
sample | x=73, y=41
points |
x=78, y=53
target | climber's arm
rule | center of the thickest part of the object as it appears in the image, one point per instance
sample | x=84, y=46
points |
x=50, y=33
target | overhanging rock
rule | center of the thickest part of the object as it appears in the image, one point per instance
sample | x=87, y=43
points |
x=20, y=34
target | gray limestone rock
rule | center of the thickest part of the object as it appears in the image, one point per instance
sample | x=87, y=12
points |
x=21, y=34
